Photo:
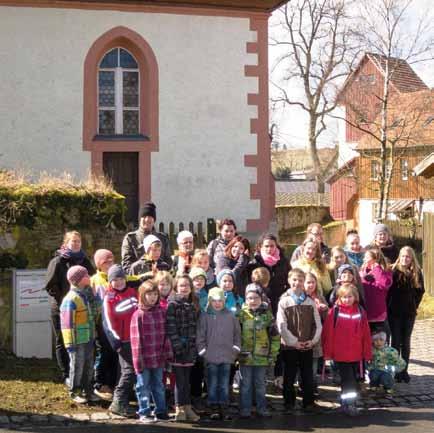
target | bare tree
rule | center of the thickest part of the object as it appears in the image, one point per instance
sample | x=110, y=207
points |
x=318, y=51
x=387, y=31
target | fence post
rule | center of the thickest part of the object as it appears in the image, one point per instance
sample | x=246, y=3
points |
x=211, y=232
x=172, y=239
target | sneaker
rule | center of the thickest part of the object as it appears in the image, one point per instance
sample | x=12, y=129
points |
x=147, y=419
x=120, y=409
x=215, y=414
x=79, y=399
x=104, y=392
x=67, y=382
x=163, y=417
x=388, y=391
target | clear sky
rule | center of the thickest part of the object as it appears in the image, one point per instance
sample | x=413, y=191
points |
x=292, y=121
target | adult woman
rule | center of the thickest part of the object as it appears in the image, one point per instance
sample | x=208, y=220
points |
x=384, y=241
x=69, y=254
x=182, y=260
x=270, y=255
x=311, y=261
x=236, y=258
x=403, y=300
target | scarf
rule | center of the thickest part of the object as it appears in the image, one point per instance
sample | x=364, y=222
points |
x=298, y=299
x=271, y=259
x=76, y=257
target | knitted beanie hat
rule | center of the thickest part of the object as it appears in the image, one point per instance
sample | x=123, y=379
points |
x=379, y=336
x=101, y=256
x=222, y=273
x=381, y=228
x=183, y=235
x=197, y=272
x=148, y=209
x=75, y=274
x=115, y=271
x=345, y=268
x=148, y=241
x=255, y=288
x=216, y=294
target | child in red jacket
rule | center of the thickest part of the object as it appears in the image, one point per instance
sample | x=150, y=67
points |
x=120, y=302
x=346, y=340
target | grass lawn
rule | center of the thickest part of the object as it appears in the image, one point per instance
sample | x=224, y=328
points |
x=32, y=386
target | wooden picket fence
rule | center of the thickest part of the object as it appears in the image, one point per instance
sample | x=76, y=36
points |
x=202, y=235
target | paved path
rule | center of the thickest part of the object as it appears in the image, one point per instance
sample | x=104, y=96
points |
x=416, y=397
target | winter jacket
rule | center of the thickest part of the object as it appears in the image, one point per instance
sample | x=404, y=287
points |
x=356, y=258
x=376, y=283
x=297, y=322
x=149, y=346
x=210, y=279
x=144, y=265
x=260, y=340
x=118, y=308
x=216, y=249
x=76, y=318
x=359, y=286
x=297, y=253
x=132, y=247
x=319, y=299
x=403, y=299
x=181, y=322
x=218, y=337
x=279, y=277
x=233, y=302
x=56, y=283
x=346, y=336
x=324, y=281
x=181, y=264
x=239, y=269
x=203, y=299
x=386, y=359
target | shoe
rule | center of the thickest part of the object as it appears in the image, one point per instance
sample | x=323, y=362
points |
x=79, y=399
x=190, y=414
x=351, y=410
x=147, y=419
x=104, y=393
x=163, y=417
x=388, y=391
x=67, y=382
x=180, y=414
x=374, y=388
x=93, y=397
x=398, y=377
x=264, y=414
x=405, y=377
x=120, y=409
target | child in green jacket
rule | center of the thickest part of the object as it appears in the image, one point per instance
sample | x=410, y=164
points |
x=260, y=343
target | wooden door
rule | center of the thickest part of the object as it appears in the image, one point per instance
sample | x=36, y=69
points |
x=123, y=168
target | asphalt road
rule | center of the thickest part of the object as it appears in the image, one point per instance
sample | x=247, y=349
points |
x=379, y=421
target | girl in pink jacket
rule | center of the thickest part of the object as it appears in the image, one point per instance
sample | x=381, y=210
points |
x=376, y=279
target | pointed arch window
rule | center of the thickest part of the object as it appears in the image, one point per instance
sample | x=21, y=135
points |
x=118, y=94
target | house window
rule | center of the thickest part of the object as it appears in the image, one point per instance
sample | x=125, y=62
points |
x=404, y=169
x=375, y=170
x=118, y=94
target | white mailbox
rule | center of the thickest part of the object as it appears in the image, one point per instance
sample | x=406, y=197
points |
x=31, y=315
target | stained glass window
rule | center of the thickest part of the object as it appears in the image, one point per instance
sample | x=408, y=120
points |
x=118, y=94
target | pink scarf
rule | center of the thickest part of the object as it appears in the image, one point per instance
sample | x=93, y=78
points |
x=271, y=259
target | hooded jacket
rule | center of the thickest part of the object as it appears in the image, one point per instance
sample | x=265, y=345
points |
x=324, y=280
x=218, y=336
x=260, y=340
x=346, y=336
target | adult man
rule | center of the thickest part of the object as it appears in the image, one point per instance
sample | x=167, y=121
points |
x=132, y=245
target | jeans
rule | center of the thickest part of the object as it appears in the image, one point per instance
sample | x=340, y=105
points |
x=81, y=368
x=126, y=381
x=218, y=383
x=380, y=377
x=401, y=329
x=150, y=382
x=61, y=353
x=252, y=377
x=294, y=360
x=182, y=385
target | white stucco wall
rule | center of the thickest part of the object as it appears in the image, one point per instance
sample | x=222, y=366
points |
x=204, y=118
x=366, y=223
x=346, y=150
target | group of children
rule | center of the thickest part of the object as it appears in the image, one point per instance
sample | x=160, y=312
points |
x=160, y=332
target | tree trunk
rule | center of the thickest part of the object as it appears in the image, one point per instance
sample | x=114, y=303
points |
x=314, y=155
